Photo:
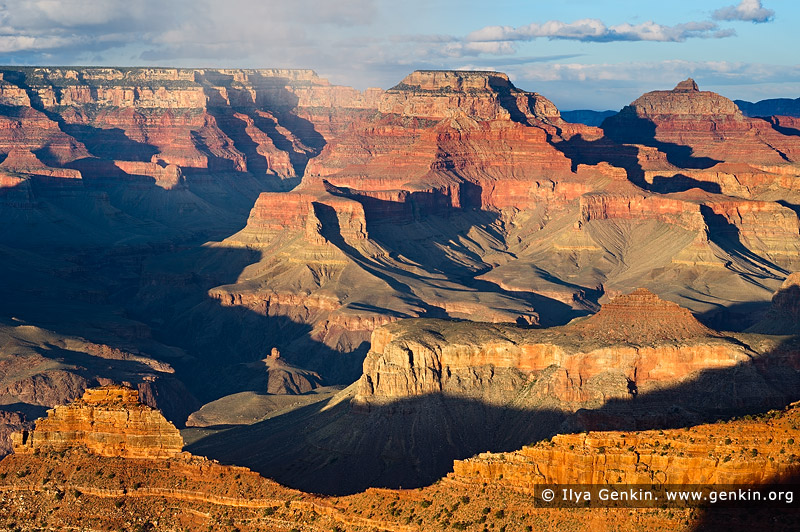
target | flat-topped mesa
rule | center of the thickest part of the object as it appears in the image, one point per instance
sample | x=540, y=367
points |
x=642, y=317
x=455, y=81
x=107, y=421
x=483, y=95
x=179, y=88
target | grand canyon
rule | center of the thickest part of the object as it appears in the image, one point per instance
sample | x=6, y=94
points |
x=250, y=299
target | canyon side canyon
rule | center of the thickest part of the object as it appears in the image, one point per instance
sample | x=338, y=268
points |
x=231, y=289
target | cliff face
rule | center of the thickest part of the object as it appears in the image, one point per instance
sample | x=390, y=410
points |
x=722, y=453
x=636, y=342
x=699, y=130
x=74, y=488
x=470, y=137
x=221, y=120
x=453, y=195
x=482, y=95
x=107, y=421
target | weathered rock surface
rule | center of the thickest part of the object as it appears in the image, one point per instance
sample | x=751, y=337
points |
x=699, y=129
x=742, y=452
x=76, y=488
x=107, y=421
x=453, y=195
x=636, y=342
x=481, y=95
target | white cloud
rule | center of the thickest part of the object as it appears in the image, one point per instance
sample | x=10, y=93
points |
x=594, y=30
x=747, y=10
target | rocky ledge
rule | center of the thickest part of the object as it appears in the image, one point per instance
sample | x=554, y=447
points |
x=752, y=450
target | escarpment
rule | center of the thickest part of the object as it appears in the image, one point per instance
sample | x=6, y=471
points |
x=639, y=363
x=215, y=120
x=635, y=344
x=707, y=137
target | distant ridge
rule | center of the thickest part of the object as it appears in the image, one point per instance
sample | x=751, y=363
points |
x=587, y=116
x=771, y=107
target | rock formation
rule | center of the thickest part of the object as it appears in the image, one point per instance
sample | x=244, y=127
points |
x=168, y=227
x=783, y=316
x=107, y=421
x=73, y=488
x=642, y=317
x=704, y=454
x=637, y=341
x=704, y=132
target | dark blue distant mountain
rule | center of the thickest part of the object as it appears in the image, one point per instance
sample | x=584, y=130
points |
x=586, y=116
x=771, y=107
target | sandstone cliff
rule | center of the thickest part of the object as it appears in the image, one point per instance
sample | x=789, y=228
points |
x=745, y=452
x=73, y=488
x=700, y=129
x=636, y=343
x=107, y=421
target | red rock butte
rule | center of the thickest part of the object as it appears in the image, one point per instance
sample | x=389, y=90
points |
x=107, y=421
x=641, y=317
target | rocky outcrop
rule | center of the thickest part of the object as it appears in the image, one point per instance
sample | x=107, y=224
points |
x=447, y=93
x=24, y=161
x=107, y=421
x=742, y=452
x=266, y=122
x=642, y=317
x=698, y=129
x=635, y=343
x=11, y=422
x=685, y=100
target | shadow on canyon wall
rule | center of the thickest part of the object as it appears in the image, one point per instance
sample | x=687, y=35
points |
x=616, y=147
x=628, y=128
x=412, y=442
x=135, y=280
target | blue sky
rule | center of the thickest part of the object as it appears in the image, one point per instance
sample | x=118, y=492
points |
x=579, y=53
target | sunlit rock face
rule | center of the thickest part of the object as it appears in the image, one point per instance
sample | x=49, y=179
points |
x=108, y=421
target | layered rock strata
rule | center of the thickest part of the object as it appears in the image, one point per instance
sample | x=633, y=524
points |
x=637, y=342
x=742, y=452
x=74, y=488
x=705, y=133
x=107, y=421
